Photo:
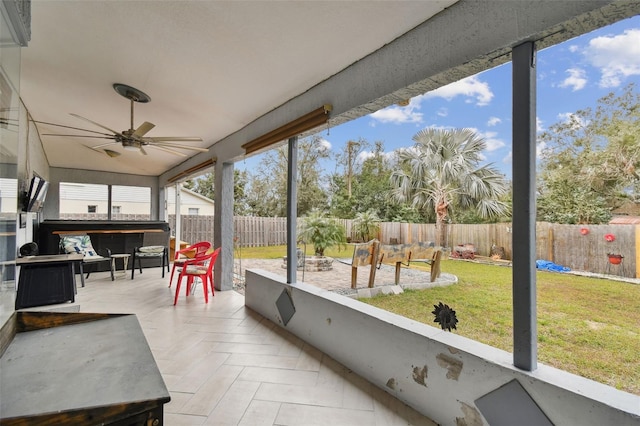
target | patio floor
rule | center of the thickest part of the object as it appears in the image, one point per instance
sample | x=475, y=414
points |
x=339, y=278
x=226, y=365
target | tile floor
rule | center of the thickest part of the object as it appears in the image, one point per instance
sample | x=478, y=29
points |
x=226, y=365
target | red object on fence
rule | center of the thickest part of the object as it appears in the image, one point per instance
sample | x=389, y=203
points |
x=584, y=231
x=615, y=259
x=609, y=237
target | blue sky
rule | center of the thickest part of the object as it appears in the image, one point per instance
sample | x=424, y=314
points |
x=571, y=76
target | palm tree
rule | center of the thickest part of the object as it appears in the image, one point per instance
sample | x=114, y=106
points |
x=367, y=224
x=442, y=170
x=322, y=231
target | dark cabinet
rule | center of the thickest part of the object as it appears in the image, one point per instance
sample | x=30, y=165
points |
x=78, y=369
x=46, y=280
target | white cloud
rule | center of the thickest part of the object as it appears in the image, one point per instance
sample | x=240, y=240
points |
x=443, y=112
x=493, y=143
x=365, y=155
x=573, y=48
x=540, y=146
x=576, y=80
x=507, y=159
x=571, y=118
x=493, y=121
x=617, y=56
x=471, y=87
x=539, y=126
x=324, y=145
x=399, y=115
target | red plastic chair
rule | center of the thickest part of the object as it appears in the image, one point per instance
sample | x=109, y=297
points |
x=197, y=249
x=200, y=267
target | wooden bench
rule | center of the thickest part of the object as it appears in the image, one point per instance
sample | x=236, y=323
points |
x=374, y=254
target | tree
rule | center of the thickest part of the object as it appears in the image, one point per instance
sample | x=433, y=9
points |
x=370, y=190
x=321, y=231
x=349, y=159
x=204, y=185
x=442, y=172
x=602, y=148
x=240, y=181
x=267, y=188
x=366, y=225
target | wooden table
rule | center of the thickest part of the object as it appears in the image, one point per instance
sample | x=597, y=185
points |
x=79, y=368
x=46, y=280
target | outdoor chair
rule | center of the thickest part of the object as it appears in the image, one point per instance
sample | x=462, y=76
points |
x=195, y=250
x=201, y=268
x=154, y=245
x=82, y=244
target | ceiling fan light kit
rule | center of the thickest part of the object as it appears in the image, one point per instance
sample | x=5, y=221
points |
x=133, y=139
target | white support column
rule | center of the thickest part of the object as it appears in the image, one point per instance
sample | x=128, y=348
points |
x=178, y=230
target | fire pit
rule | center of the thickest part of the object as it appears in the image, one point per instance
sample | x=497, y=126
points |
x=310, y=263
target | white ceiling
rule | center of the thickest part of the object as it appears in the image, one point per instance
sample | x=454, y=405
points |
x=210, y=67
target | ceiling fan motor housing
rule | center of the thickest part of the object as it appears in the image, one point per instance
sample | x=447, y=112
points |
x=131, y=93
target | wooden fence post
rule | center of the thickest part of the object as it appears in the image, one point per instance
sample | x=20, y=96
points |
x=374, y=263
x=637, y=251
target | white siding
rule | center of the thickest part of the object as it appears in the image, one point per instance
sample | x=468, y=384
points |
x=8, y=195
x=189, y=199
x=76, y=197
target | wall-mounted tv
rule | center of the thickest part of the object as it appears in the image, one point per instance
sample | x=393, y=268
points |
x=36, y=194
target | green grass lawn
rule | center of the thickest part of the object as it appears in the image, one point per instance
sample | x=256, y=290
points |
x=587, y=326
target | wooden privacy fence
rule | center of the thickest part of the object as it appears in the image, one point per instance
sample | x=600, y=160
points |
x=566, y=245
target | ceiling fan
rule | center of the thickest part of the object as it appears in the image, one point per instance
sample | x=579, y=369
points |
x=133, y=139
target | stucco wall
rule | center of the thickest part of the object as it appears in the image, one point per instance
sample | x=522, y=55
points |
x=439, y=374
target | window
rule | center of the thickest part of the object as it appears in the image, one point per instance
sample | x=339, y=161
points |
x=134, y=200
x=110, y=200
x=193, y=211
x=79, y=199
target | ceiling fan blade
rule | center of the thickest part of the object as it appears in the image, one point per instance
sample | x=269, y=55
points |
x=69, y=127
x=106, y=136
x=143, y=129
x=175, y=139
x=171, y=145
x=105, y=144
x=172, y=151
x=93, y=122
x=111, y=153
x=108, y=152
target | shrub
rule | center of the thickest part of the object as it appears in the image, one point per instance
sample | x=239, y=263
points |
x=321, y=231
x=366, y=225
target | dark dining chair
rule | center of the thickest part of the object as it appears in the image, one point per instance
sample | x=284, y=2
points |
x=154, y=245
